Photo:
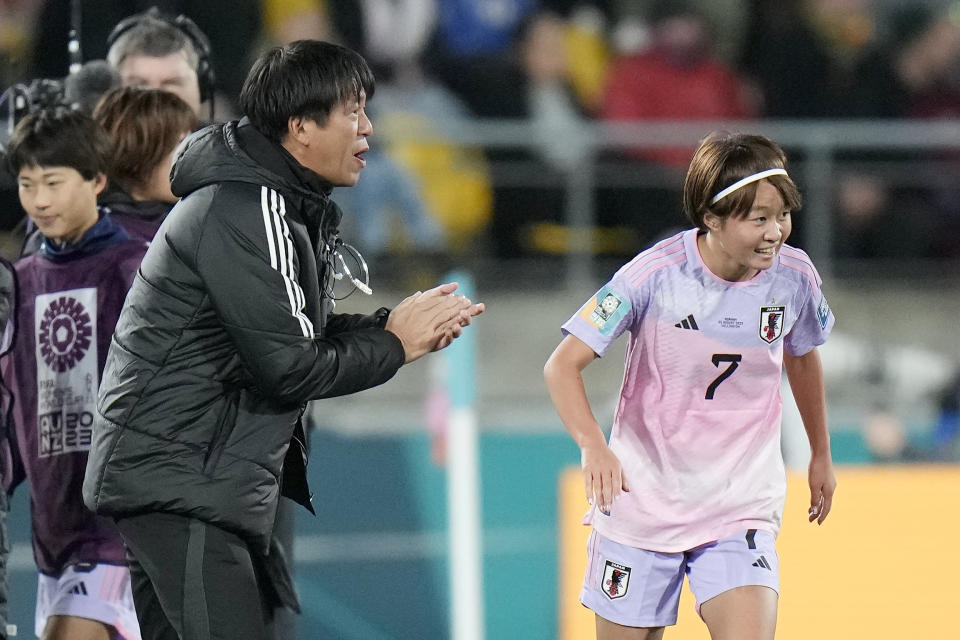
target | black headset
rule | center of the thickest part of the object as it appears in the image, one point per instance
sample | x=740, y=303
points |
x=187, y=27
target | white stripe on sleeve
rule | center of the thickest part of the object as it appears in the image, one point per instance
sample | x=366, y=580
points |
x=265, y=207
x=280, y=247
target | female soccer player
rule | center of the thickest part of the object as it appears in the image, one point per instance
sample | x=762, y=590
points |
x=692, y=480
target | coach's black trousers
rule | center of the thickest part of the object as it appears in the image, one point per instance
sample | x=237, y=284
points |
x=194, y=581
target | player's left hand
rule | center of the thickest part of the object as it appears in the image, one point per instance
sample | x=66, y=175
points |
x=823, y=483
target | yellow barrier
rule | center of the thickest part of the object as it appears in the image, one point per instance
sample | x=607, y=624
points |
x=885, y=564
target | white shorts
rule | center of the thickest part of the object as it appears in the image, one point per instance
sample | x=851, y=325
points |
x=96, y=592
x=639, y=588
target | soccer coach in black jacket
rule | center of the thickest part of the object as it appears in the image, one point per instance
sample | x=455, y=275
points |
x=227, y=332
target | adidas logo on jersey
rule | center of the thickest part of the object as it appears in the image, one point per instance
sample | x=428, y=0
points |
x=78, y=589
x=762, y=563
x=688, y=323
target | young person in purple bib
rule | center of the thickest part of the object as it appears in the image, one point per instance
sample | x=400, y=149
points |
x=69, y=296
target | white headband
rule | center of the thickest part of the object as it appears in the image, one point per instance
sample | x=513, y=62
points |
x=744, y=182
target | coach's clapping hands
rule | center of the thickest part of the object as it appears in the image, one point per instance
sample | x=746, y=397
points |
x=430, y=320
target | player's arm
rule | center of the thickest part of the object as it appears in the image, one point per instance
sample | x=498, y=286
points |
x=805, y=374
x=602, y=475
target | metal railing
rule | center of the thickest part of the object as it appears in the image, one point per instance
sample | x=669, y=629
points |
x=816, y=145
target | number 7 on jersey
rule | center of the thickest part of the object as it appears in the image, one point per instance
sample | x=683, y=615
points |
x=733, y=359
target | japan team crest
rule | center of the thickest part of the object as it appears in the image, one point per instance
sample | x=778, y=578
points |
x=771, y=323
x=616, y=579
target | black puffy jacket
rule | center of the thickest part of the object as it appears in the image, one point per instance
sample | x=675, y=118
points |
x=224, y=337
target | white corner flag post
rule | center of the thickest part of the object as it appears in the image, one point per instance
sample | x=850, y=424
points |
x=463, y=492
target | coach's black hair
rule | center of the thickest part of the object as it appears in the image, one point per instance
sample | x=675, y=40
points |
x=60, y=137
x=306, y=78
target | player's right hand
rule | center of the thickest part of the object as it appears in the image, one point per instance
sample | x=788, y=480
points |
x=603, y=476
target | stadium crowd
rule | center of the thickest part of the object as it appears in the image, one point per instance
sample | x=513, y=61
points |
x=558, y=64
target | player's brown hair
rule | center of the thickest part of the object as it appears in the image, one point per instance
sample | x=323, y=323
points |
x=724, y=158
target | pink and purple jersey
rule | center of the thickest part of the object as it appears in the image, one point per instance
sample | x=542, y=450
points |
x=697, y=426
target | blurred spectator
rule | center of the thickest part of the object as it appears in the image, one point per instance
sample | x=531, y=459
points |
x=83, y=89
x=587, y=52
x=16, y=21
x=11, y=213
x=846, y=27
x=946, y=434
x=675, y=77
x=416, y=117
x=869, y=219
x=469, y=29
x=884, y=433
x=441, y=195
x=909, y=74
x=474, y=37
x=550, y=101
x=533, y=85
x=728, y=20
x=885, y=438
x=385, y=211
x=477, y=36
x=385, y=32
x=788, y=60
x=285, y=21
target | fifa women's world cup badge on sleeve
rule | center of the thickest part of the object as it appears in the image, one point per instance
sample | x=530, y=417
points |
x=605, y=310
x=823, y=312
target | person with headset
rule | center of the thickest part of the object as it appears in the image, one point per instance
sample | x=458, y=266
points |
x=152, y=49
x=228, y=332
